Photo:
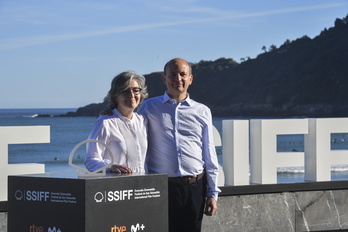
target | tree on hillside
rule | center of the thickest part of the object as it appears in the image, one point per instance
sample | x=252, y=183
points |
x=341, y=22
x=272, y=48
x=264, y=48
x=345, y=19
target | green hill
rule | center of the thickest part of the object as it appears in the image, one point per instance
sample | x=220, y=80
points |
x=304, y=77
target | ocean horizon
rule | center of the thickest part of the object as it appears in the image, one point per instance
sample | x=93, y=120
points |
x=67, y=132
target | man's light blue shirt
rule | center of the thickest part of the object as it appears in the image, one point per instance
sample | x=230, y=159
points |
x=180, y=139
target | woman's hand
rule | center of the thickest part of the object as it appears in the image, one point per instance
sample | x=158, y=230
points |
x=120, y=169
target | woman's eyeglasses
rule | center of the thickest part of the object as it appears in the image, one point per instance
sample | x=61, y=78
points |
x=135, y=91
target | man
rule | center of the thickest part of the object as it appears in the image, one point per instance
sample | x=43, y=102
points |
x=180, y=143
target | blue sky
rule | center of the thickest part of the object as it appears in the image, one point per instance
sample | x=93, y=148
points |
x=64, y=53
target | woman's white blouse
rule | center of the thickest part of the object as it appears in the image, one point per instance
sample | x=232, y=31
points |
x=127, y=139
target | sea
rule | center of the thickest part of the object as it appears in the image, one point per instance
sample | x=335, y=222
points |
x=67, y=132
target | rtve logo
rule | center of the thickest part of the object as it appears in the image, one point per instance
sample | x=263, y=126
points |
x=34, y=228
x=118, y=228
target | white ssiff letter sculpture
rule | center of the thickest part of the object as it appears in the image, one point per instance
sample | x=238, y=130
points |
x=19, y=135
x=249, y=150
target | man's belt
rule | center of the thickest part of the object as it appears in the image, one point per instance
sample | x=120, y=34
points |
x=185, y=180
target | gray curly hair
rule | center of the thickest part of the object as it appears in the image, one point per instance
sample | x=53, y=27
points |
x=121, y=82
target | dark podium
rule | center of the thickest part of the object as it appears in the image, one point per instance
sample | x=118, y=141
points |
x=64, y=202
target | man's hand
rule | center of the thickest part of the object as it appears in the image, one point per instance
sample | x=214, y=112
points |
x=210, y=206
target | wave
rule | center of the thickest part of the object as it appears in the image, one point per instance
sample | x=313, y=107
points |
x=31, y=116
x=339, y=168
x=291, y=170
x=334, y=168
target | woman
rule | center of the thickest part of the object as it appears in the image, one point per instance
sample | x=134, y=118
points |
x=124, y=132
